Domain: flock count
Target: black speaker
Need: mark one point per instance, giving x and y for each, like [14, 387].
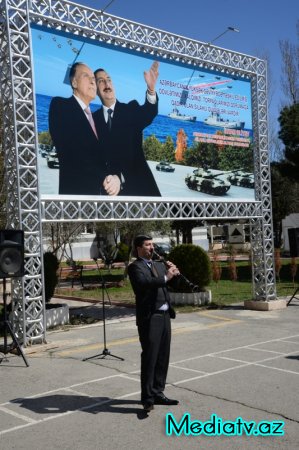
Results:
[11, 253]
[294, 242]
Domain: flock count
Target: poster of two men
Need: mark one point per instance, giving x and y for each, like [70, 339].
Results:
[122, 124]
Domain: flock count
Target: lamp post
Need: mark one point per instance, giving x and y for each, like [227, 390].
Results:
[106, 7]
[228, 29]
[67, 74]
[184, 94]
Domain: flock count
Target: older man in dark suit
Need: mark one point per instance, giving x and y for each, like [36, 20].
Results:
[82, 166]
[153, 312]
[120, 126]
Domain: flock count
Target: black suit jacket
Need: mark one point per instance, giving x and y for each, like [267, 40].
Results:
[122, 146]
[148, 289]
[81, 165]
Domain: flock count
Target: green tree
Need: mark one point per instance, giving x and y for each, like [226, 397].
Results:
[285, 173]
[184, 228]
[231, 158]
[203, 155]
[125, 231]
[290, 69]
[289, 134]
[282, 188]
[60, 237]
[168, 150]
[152, 148]
[289, 115]
[45, 138]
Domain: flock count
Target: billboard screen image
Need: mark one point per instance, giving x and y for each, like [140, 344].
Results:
[197, 144]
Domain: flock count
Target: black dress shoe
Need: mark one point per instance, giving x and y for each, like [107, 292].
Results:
[147, 407]
[162, 400]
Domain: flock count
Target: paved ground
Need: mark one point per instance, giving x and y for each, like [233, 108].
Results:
[232, 363]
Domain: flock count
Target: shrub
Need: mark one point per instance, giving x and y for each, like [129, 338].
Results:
[194, 263]
[51, 266]
[123, 252]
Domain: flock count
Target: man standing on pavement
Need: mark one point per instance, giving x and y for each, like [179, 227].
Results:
[153, 312]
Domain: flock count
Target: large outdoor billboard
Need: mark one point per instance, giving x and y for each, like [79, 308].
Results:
[199, 144]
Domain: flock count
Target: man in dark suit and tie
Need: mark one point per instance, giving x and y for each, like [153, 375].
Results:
[82, 168]
[120, 126]
[153, 312]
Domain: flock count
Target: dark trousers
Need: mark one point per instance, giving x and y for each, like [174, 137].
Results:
[154, 336]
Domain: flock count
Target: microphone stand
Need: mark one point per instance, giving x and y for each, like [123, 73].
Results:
[105, 351]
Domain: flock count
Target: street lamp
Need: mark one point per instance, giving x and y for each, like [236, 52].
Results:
[67, 73]
[228, 29]
[106, 7]
[185, 92]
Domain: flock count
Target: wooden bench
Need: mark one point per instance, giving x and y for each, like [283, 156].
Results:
[76, 273]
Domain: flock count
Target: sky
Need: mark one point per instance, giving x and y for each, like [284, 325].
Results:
[261, 23]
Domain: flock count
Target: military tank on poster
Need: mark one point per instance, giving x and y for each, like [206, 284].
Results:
[204, 180]
[241, 178]
[209, 182]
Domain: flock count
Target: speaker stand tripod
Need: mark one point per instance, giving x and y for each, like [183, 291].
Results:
[294, 296]
[7, 327]
[105, 351]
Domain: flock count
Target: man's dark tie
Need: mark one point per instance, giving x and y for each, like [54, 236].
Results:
[153, 268]
[109, 111]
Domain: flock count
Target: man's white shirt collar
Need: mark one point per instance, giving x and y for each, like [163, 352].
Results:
[81, 103]
[105, 111]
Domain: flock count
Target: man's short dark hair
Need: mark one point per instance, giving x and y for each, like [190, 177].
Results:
[73, 71]
[139, 240]
[98, 70]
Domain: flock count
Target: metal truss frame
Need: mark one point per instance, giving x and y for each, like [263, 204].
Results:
[25, 210]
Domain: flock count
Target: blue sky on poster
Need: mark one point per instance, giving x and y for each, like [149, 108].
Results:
[53, 52]
[262, 24]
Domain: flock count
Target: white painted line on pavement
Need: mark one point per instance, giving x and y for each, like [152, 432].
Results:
[215, 355]
[17, 415]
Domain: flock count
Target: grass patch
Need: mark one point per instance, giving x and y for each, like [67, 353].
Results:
[123, 293]
[225, 292]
